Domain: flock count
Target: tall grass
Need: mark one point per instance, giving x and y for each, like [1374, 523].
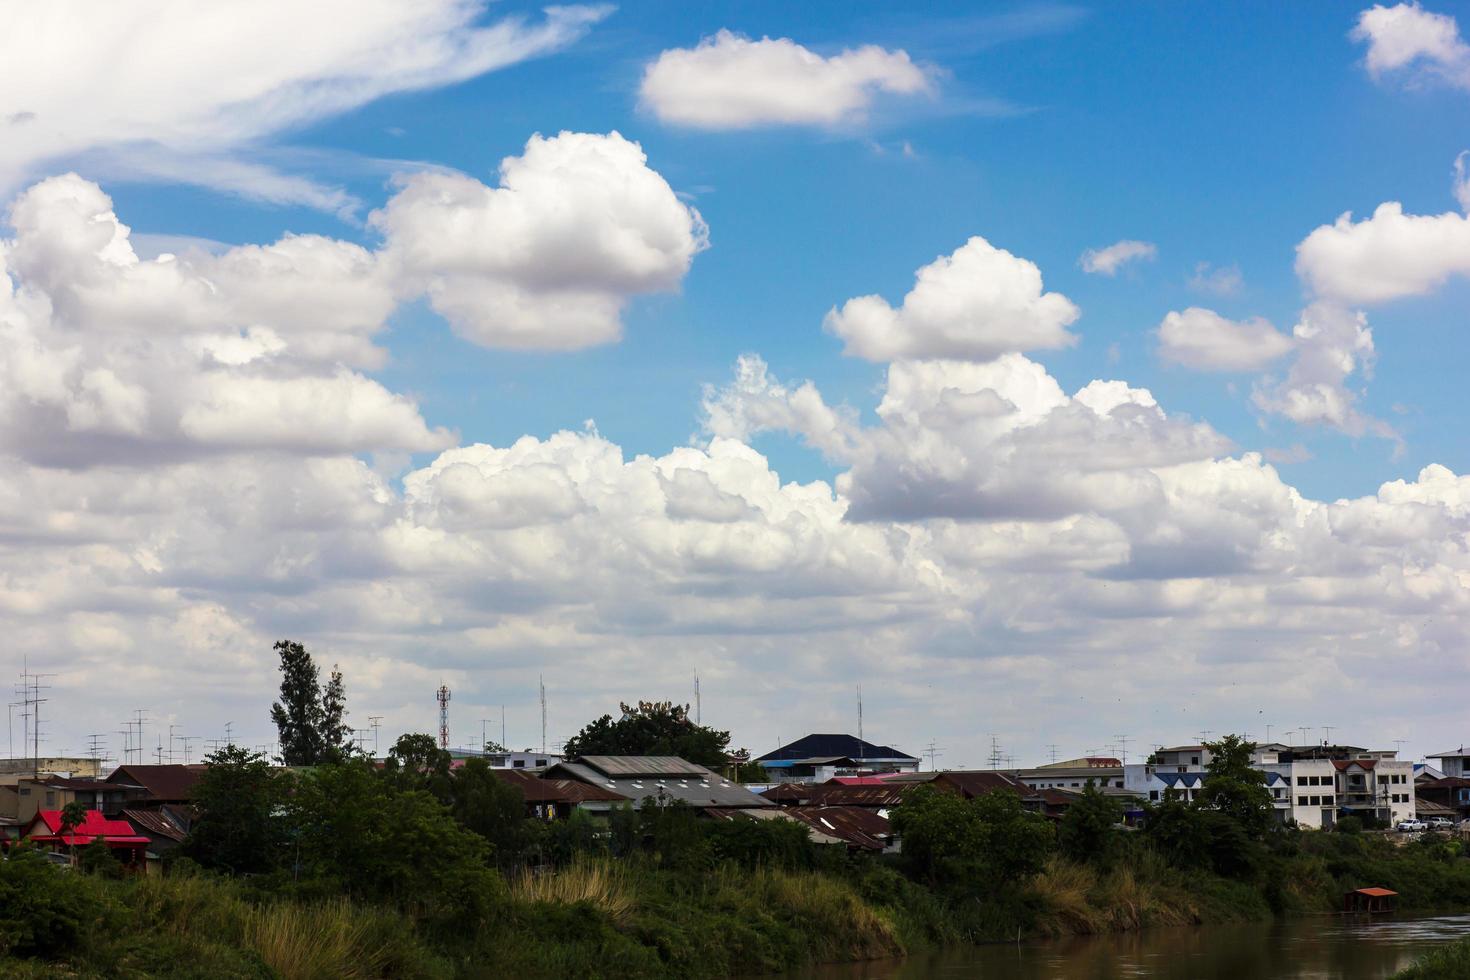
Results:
[601, 883]
[833, 917]
[1449, 962]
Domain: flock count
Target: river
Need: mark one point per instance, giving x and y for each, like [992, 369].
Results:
[1325, 948]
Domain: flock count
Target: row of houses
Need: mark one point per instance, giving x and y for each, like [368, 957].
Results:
[843, 789]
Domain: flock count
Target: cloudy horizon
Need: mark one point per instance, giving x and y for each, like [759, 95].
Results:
[1046, 393]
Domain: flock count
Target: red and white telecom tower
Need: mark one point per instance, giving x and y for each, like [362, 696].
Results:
[443, 716]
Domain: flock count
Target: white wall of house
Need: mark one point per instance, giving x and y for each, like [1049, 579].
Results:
[1314, 793]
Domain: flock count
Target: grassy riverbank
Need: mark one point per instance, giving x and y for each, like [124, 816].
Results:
[632, 917]
[1450, 962]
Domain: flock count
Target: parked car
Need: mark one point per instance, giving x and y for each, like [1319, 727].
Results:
[1441, 823]
[1407, 826]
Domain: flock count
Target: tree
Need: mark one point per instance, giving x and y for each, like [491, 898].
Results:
[336, 733]
[73, 815]
[309, 720]
[239, 797]
[988, 840]
[494, 809]
[1088, 831]
[652, 728]
[416, 762]
[493, 747]
[1236, 789]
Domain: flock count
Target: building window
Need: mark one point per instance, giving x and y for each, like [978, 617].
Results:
[1194, 760]
[1153, 795]
[518, 764]
[1301, 780]
[1301, 801]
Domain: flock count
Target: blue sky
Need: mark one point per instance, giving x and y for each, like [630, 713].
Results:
[984, 541]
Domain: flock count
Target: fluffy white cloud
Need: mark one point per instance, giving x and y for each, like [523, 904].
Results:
[175, 89]
[578, 224]
[112, 358]
[976, 304]
[1408, 39]
[1206, 341]
[1385, 257]
[1461, 184]
[1107, 261]
[1332, 343]
[732, 82]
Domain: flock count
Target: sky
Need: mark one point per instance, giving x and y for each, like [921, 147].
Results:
[1066, 377]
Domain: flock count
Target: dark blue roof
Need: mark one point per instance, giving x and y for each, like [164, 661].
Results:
[1187, 778]
[816, 746]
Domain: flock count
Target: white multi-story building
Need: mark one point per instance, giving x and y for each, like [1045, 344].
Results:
[1311, 785]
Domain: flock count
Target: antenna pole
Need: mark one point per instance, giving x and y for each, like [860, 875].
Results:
[860, 711]
[375, 721]
[541, 682]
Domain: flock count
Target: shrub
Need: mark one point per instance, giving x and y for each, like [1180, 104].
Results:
[42, 907]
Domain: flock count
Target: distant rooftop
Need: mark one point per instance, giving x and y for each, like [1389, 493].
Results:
[828, 745]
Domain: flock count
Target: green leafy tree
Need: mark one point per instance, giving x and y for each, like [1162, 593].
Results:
[298, 714]
[336, 733]
[356, 833]
[1088, 832]
[97, 859]
[1234, 788]
[42, 907]
[991, 838]
[493, 808]
[652, 728]
[493, 747]
[310, 721]
[239, 799]
[417, 762]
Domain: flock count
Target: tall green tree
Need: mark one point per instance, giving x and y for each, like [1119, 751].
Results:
[1236, 789]
[652, 728]
[73, 815]
[309, 721]
[416, 762]
[1089, 829]
[239, 799]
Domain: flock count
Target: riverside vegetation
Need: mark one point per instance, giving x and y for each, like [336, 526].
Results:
[341, 868]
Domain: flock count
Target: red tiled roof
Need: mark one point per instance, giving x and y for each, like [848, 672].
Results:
[95, 825]
[1374, 892]
[1341, 764]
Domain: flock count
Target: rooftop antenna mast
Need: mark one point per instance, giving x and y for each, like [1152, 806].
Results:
[995, 755]
[1328, 730]
[1053, 749]
[503, 743]
[541, 682]
[94, 749]
[698, 704]
[933, 752]
[443, 697]
[1123, 748]
[860, 711]
[375, 721]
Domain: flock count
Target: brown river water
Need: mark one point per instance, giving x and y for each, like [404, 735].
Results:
[1319, 948]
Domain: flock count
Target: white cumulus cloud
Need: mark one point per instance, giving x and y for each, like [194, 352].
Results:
[1206, 341]
[1384, 257]
[732, 82]
[977, 303]
[1107, 261]
[578, 224]
[1419, 44]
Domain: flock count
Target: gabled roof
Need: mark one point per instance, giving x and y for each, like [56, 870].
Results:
[620, 766]
[1341, 764]
[1459, 753]
[155, 824]
[837, 794]
[849, 825]
[46, 826]
[538, 790]
[166, 782]
[979, 782]
[815, 746]
[671, 778]
[1189, 779]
